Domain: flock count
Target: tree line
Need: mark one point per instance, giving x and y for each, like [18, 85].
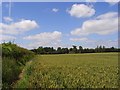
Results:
[73, 49]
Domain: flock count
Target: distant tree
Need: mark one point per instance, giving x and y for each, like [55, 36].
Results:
[118, 50]
[97, 49]
[51, 50]
[112, 49]
[100, 48]
[40, 50]
[71, 50]
[103, 49]
[80, 49]
[59, 50]
[65, 50]
[74, 49]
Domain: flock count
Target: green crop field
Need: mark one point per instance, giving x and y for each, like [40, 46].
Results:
[99, 70]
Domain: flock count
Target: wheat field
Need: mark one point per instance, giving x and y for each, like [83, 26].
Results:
[98, 70]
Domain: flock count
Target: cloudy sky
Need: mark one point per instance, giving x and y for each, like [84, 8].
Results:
[34, 24]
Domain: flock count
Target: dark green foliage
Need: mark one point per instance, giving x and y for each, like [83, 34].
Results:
[14, 51]
[0, 50]
[73, 50]
[80, 49]
[65, 50]
[10, 71]
[59, 50]
[13, 60]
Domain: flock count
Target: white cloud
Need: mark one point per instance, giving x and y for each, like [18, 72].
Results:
[7, 19]
[78, 39]
[107, 43]
[44, 39]
[81, 10]
[55, 10]
[102, 25]
[112, 2]
[90, 43]
[18, 27]
[44, 44]
[45, 36]
[108, 15]
[90, 0]
[7, 38]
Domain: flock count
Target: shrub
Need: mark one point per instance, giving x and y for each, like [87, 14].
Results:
[10, 71]
[13, 60]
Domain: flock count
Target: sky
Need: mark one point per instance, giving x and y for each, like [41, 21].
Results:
[60, 24]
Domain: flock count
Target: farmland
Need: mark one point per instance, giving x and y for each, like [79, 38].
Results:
[98, 70]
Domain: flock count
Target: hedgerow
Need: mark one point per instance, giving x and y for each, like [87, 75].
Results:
[13, 60]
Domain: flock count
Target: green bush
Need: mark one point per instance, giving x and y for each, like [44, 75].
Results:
[10, 71]
[13, 60]
[21, 55]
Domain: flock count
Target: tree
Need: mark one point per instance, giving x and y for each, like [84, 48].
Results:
[51, 50]
[40, 50]
[103, 49]
[97, 49]
[100, 48]
[80, 49]
[71, 50]
[59, 50]
[112, 49]
[74, 49]
[65, 50]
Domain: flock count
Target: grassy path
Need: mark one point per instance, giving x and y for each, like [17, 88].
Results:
[71, 71]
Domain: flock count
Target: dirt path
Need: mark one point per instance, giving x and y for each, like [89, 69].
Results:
[21, 74]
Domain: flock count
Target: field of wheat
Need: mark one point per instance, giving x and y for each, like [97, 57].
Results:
[99, 70]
